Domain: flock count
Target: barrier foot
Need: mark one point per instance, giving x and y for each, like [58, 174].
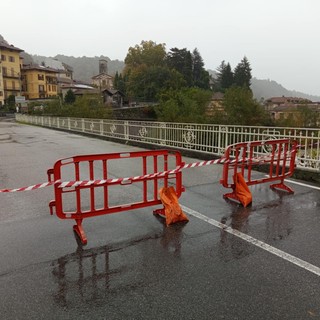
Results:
[282, 186]
[77, 228]
[160, 212]
[231, 196]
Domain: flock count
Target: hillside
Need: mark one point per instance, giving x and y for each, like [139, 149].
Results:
[264, 89]
[86, 67]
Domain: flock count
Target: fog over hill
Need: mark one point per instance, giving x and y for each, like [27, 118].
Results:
[264, 89]
[86, 67]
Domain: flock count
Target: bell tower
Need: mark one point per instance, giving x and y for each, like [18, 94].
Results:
[103, 66]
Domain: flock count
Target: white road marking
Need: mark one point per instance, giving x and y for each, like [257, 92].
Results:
[286, 256]
[300, 183]
[303, 184]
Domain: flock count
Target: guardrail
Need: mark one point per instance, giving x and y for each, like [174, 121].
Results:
[204, 138]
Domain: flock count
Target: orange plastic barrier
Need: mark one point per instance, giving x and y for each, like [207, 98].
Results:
[92, 191]
[276, 156]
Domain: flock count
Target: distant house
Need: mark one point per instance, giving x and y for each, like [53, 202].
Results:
[39, 82]
[103, 80]
[10, 71]
[216, 104]
[78, 89]
[113, 97]
[273, 102]
[282, 108]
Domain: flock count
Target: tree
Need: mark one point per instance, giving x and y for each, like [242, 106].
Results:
[224, 78]
[120, 83]
[70, 97]
[147, 73]
[11, 101]
[242, 73]
[146, 83]
[147, 53]
[184, 105]
[242, 109]
[181, 61]
[201, 77]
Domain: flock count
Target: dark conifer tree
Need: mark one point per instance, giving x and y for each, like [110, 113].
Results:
[242, 73]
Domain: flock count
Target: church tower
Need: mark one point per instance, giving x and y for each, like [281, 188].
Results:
[103, 66]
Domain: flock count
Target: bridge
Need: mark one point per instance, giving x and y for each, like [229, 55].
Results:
[227, 262]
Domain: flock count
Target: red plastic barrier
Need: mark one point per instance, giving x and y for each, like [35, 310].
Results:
[108, 196]
[277, 156]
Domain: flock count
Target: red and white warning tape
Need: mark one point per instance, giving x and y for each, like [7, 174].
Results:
[36, 186]
[85, 183]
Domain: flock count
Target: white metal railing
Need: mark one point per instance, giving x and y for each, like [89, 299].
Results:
[204, 138]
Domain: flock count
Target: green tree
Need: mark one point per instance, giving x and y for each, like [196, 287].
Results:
[70, 97]
[242, 109]
[224, 78]
[242, 73]
[181, 60]
[184, 105]
[147, 53]
[201, 77]
[146, 83]
[147, 73]
[11, 102]
[120, 83]
[308, 117]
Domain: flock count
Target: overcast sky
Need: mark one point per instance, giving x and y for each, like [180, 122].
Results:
[280, 38]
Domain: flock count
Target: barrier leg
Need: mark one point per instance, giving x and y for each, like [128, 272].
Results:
[281, 186]
[231, 196]
[160, 212]
[77, 228]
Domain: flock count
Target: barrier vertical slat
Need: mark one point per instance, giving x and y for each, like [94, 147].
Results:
[273, 151]
[92, 195]
[144, 172]
[250, 162]
[165, 168]
[155, 182]
[105, 188]
[78, 195]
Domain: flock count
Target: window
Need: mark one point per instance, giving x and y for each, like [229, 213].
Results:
[40, 77]
[13, 85]
[41, 88]
[11, 58]
[4, 71]
[3, 57]
[1, 93]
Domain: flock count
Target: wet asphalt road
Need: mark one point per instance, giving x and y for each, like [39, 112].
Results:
[134, 267]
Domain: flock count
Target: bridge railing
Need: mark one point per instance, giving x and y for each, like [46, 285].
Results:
[204, 138]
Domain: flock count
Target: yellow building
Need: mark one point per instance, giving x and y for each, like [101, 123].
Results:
[10, 71]
[39, 82]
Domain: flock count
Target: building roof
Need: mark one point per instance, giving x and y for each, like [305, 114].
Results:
[38, 67]
[101, 76]
[284, 100]
[112, 92]
[5, 45]
[77, 86]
